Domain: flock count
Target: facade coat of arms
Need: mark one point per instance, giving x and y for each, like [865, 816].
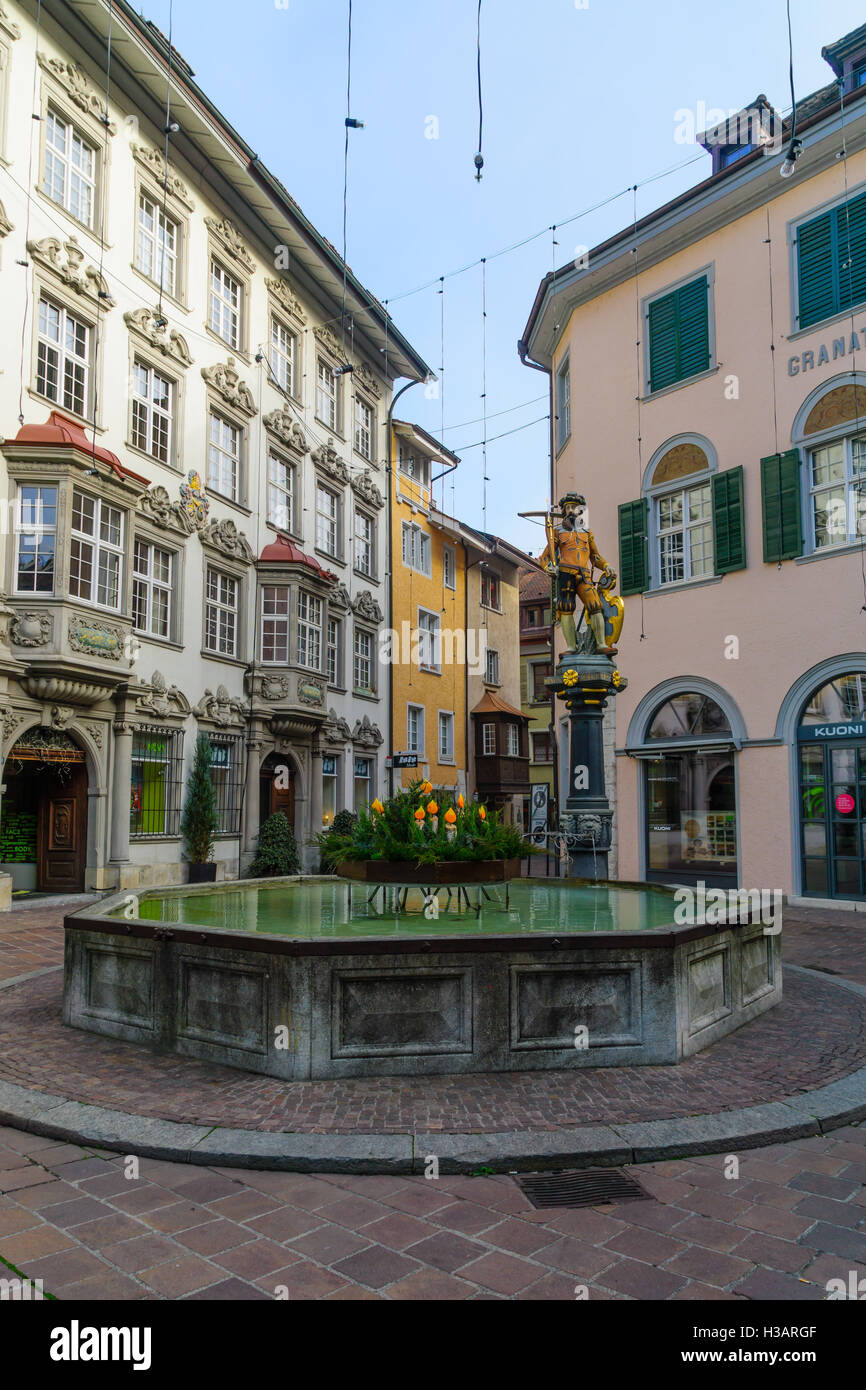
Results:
[193, 500]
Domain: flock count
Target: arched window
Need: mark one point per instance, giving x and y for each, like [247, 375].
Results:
[689, 715]
[680, 490]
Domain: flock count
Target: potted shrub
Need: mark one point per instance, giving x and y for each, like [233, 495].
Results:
[200, 821]
[277, 852]
[341, 825]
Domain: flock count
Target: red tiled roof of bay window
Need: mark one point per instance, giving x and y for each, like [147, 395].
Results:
[60, 432]
[282, 551]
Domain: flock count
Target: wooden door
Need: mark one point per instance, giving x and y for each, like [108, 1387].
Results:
[62, 846]
[276, 798]
[283, 798]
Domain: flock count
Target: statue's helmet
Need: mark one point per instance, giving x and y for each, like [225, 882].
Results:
[571, 500]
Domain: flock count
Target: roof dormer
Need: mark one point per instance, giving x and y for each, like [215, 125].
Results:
[754, 127]
[847, 58]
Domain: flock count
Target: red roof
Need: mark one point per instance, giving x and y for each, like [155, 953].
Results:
[282, 551]
[59, 432]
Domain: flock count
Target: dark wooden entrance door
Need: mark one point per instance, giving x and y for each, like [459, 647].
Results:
[276, 795]
[62, 847]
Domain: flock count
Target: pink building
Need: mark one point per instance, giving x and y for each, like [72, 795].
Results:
[726, 460]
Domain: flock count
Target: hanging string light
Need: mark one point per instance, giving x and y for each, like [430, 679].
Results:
[479, 158]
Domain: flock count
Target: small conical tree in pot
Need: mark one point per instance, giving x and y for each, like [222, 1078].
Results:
[200, 815]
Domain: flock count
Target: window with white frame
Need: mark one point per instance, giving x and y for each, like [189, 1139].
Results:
[225, 305]
[152, 589]
[446, 737]
[70, 168]
[512, 740]
[415, 729]
[224, 456]
[837, 490]
[685, 534]
[152, 411]
[328, 521]
[416, 548]
[491, 591]
[363, 428]
[275, 624]
[157, 244]
[414, 466]
[334, 651]
[37, 539]
[95, 551]
[327, 403]
[309, 631]
[563, 404]
[283, 355]
[282, 484]
[365, 544]
[449, 567]
[363, 783]
[429, 640]
[542, 748]
[63, 357]
[491, 666]
[221, 613]
[488, 739]
[363, 673]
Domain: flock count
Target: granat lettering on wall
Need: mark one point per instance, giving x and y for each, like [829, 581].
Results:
[816, 357]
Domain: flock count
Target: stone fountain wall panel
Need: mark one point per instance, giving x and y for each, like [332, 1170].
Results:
[112, 986]
[396, 1012]
[709, 986]
[758, 967]
[548, 1006]
[725, 982]
[223, 1004]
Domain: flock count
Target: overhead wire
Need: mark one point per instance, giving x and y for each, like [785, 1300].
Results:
[37, 118]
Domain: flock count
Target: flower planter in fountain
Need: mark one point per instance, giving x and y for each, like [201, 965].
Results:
[450, 872]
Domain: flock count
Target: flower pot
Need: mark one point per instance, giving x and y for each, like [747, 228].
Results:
[202, 873]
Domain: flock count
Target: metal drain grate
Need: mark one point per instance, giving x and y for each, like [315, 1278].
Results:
[588, 1187]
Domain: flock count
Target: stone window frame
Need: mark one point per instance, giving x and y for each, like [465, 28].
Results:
[52, 93]
[373, 575]
[146, 183]
[9, 32]
[339, 683]
[215, 405]
[216, 251]
[278, 451]
[450, 714]
[327, 485]
[371, 691]
[46, 287]
[363, 399]
[222, 564]
[124, 550]
[324, 354]
[278, 314]
[171, 369]
[145, 531]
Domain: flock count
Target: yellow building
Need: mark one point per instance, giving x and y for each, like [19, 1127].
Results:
[427, 656]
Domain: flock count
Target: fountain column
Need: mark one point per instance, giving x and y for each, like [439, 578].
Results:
[585, 682]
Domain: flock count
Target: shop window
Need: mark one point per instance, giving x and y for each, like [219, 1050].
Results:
[227, 777]
[157, 782]
[832, 789]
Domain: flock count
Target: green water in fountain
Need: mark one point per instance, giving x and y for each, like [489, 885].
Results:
[341, 910]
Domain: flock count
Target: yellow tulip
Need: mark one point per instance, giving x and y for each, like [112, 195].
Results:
[432, 808]
[450, 817]
[482, 813]
[420, 814]
[426, 788]
[460, 801]
[377, 807]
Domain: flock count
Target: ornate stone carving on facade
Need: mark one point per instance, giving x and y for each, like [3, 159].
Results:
[54, 689]
[335, 729]
[367, 380]
[193, 501]
[224, 379]
[339, 597]
[310, 692]
[227, 233]
[93, 639]
[76, 83]
[363, 485]
[275, 688]
[285, 295]
[156, 504]
[61, 717]
[5, 225]
[366, 608]
[96, 732]
[328, 460]
[11, 719]
[367, 734]
[283, 424]
[30, 630]
[8, 25]
[146, 323]
[329, 341]
[163, 700]
[65, 259]
[220, 708]
[151, 160]
[225, 537]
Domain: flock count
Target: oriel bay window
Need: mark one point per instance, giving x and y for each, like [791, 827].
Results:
[152, 589]
[37, 540]
[227, 777]
[309, 631]
[157, 781]
[63, 354]
[95, 551]
[275, 624]
[152, 411]
[221, 613]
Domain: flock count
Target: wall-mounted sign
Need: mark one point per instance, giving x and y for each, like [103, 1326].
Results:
[404, 759]
[813, 731]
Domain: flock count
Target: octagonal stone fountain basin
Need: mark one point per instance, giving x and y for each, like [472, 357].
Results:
[306, 978]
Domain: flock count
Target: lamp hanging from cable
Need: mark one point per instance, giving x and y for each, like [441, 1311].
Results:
[479, 158]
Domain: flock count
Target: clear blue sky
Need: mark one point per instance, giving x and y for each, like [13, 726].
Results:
[578, 105]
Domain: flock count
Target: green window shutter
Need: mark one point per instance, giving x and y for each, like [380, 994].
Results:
[817, 267]
[729, 532]
[851, 243]
[780, 506]
[679, 342]
[633, 555]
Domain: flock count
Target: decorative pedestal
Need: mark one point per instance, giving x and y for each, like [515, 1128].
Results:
[585, 683]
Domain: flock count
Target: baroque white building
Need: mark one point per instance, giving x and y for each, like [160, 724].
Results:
[194, 464]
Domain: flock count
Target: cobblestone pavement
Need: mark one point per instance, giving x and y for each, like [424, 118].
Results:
[817, 1035]
[794, 1218]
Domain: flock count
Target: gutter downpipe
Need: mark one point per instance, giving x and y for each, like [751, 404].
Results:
[523, 354]
[389, 469]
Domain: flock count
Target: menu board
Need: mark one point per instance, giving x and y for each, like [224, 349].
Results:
[17, 836]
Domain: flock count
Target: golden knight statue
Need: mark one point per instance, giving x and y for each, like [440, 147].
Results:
[571, 557]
